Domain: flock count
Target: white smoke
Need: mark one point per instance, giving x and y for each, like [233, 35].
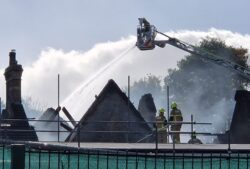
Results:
[40, 79]
[2, 85]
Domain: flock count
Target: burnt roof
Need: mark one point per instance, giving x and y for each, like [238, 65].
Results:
[110, 88]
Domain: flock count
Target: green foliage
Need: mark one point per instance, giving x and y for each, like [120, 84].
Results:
[205, 82]
[150, 84]
[199, 86]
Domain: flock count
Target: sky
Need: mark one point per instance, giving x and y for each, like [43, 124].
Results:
[77, 38]
[31, 26]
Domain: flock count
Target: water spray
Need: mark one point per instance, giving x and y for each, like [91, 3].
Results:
[102, 70]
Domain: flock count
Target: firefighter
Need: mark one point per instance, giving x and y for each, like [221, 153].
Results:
[175, 116]
[194, 139]
[161, 123]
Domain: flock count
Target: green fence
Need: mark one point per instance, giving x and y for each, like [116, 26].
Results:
[100, 159]
[121, 160]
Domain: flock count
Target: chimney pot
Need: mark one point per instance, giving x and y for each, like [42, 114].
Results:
[12, 55]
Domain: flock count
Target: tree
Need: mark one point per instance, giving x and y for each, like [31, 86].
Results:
[200, 87]
[150, 84]
[204, 88]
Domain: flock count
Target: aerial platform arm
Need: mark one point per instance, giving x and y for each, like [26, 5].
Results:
[146, 34]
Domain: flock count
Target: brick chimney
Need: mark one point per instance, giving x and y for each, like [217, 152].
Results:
[13, 74]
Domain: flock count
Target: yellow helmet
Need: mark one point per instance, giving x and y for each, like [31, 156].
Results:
[173, 105]
[161, 111]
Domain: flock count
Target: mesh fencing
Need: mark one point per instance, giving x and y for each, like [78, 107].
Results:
[45, 159]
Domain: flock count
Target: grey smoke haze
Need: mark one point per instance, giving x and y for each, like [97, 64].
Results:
[203, 102]
[40, 78]
[200, 88]
[218, 113]
[51, 129]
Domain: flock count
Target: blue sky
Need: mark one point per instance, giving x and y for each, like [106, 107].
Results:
[31, 26]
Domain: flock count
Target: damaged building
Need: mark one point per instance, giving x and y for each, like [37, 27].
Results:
[147, 109]
[48, 126]
[14, 122]
[239, 132]
[111, 118]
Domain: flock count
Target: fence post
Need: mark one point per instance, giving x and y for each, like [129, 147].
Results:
[17, 156]
[192, 128]
[229, 140]
[78, 136]
[156, 139]
[168, 114]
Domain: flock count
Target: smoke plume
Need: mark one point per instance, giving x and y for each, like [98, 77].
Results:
[39, 79]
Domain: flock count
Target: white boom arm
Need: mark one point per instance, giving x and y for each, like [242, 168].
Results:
[146, 34]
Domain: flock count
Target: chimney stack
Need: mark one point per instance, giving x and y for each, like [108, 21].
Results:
[14, 108]
[13, 75]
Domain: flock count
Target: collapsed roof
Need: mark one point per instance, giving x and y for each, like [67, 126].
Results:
[111, 118]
